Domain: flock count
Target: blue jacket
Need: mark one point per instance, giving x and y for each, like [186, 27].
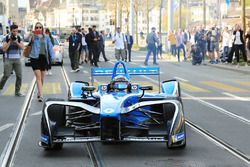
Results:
[36, 48]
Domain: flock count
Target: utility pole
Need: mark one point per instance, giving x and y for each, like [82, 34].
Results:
[147, 18]
[170, 15]
[179, 22]
[160, 10]
[204, 13]
[131, 18]
[243, 15]
[73, 17]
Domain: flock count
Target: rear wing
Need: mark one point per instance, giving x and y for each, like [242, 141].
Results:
[120, 71]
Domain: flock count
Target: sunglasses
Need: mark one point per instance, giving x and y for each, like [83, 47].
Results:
[38, 27]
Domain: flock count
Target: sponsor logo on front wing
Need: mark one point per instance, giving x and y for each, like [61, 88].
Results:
[45, 139]
[178, 137]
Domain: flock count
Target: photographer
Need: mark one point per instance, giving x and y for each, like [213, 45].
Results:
[12, 47]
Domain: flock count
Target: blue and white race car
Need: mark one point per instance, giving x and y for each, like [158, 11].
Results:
[119, 111]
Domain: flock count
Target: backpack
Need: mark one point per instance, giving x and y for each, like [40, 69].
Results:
[8, 38]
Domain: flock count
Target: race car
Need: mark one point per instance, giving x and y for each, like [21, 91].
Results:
[119, 111]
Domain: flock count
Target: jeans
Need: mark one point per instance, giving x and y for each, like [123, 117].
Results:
[173, 49]
[179, 49]
[225, 53]
[9, 66]
[151, 48]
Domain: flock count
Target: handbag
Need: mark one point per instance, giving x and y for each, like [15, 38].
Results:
[27, 49]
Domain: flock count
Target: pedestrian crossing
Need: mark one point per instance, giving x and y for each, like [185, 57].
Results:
[198, 87]
[224, 87]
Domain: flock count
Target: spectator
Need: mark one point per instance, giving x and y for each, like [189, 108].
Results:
[95, 38]
[172, 40]
[84, 50]
[130, 41]
[12, 47]
[48, 68]
[200, 40]
[89, 44]
[79, 34]
[151, 41]
[74, 47]
[102, 46]
[159, 46]
[248, 41]
[180, 45]
[39, 56]
[238, 45]
[225, 44]
[120, 42]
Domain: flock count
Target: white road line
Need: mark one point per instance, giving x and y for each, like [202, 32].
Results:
[6, 126]
[181, 79]
[37, 113]
[234, 96]
[219, 109]
[85, 72]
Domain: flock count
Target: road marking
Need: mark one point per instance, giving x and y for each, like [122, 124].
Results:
[219, 109]
[222, 86]
[52, 88]
[181, 79]
[11, 89]
[245, 83]
[234, 96]
[85, 72]
[37, 113]
[191, 88]
[218, 98]
[6, 126]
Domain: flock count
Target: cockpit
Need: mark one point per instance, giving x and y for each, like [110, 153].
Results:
[119, 83]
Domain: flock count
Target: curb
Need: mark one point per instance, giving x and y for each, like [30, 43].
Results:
[245, 71]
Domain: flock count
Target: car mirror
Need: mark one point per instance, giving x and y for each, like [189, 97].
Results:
[146, 88]
[88, 88]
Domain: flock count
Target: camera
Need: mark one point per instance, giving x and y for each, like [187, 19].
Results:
[13, 38]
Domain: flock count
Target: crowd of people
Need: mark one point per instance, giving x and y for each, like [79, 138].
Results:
[88, 46]
[219, 45]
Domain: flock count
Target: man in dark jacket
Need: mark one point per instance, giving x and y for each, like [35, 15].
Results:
[74, 47]
[95, 38]
[130, 42]
[102, 46]
[88, 41]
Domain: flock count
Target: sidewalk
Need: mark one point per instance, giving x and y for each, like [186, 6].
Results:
[242, 69]
[167, 57]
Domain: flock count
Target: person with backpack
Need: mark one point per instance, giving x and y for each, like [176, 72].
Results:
[120, 42]
[151, 40]
[12, 47]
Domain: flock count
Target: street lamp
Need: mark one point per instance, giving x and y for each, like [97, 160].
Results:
[73, 17]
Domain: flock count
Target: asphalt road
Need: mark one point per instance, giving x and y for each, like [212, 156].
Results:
[212, 97]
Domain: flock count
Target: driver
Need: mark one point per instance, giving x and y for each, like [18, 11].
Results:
[119, 83]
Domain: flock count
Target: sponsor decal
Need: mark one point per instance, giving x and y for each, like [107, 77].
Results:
[45, 139]
[109, 110]
[178, 137]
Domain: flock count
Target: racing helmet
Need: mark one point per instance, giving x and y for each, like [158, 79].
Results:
[120, 82]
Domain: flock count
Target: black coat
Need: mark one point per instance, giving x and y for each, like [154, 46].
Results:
[241, 37]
